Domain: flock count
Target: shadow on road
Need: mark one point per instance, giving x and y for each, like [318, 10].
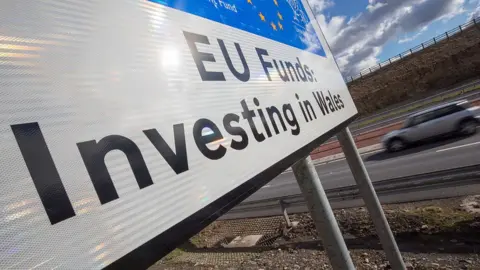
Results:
[413, 149]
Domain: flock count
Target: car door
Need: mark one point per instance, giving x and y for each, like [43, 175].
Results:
[420, 128]
[447, 119]
[438, 125]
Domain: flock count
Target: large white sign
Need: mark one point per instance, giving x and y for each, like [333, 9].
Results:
[126, 126]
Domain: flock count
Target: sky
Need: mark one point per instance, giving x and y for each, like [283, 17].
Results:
[362, 33]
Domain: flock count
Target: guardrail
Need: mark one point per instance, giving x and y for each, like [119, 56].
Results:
[433, 41]
[460, 178]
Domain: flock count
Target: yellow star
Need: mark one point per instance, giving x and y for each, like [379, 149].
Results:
[276, 3]
[273, 26]
[280, 25]
[280, 16]
[261, 16]
[250, 1]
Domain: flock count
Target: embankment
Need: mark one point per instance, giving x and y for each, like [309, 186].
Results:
[440, 66]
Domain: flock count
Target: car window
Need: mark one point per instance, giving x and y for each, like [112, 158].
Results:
[422, 118]
[447, 111]
[465, 105]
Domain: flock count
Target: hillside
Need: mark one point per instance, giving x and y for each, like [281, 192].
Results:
[439, 66]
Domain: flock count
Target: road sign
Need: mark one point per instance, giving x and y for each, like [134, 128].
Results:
[128, 126]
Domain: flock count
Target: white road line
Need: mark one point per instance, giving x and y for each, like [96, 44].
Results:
[266, 186]
[337, 160]
[372, 152]
[376, 151]
[456, 147]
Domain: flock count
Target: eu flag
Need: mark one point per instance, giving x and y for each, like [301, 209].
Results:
[285, 21]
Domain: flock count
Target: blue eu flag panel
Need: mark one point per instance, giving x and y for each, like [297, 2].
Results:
[285, 21]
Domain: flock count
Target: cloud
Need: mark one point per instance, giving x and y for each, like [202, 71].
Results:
[319, 5]
[356, 43]
[412, 38]
[374, 5]
[476, 12]
[332, 27]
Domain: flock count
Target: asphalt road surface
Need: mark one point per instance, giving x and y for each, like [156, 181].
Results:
[440, 155]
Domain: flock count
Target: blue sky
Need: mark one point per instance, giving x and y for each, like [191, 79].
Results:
[362, 33]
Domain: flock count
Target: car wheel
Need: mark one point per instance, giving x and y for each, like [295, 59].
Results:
[468, 127]
[395, 145]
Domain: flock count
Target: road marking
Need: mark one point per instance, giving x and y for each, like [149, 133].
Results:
[266, 186]
[456, 147]
[320, 164]
[372, 152]
[337, 160]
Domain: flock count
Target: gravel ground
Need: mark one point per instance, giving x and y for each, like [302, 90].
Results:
[316, 259]
[440, 234]
[445, 220]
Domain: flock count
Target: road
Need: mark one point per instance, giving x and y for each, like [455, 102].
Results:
[441, 155]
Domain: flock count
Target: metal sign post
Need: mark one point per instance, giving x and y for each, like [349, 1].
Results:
[322, 214]
[370, 198]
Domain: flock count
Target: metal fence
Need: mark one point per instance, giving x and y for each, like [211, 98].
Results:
[435, 40]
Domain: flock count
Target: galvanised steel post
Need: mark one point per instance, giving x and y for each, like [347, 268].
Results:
[370, 198]
[322, 214]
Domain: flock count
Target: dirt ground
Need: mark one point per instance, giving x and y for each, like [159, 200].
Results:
[440, 234]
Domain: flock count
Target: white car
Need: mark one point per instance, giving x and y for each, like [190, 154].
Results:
[451, 118]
